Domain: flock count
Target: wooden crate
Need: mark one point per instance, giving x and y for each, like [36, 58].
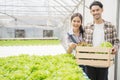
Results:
[89, 56]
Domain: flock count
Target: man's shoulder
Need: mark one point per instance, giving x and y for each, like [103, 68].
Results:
[107, 23]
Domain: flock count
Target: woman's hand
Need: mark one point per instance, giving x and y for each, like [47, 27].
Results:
[71, 47]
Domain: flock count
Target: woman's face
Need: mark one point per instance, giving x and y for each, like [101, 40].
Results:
[76, 22]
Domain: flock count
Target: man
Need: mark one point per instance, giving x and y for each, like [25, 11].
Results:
[97, 32]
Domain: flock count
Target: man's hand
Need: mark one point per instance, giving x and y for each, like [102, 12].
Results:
[114, 50]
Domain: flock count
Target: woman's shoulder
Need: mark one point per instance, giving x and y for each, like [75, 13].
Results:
[70, 32]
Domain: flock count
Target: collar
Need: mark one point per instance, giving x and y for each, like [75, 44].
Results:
[105, 23]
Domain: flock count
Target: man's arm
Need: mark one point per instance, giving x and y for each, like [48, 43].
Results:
[115, 41]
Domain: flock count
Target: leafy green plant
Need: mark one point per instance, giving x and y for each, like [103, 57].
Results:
[25, 67]
[106, 44]
[28, 42]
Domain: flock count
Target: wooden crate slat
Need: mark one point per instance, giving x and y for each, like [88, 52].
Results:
[92, 49]
[93, 56]
[95, 63]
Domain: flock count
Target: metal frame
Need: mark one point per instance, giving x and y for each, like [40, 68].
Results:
[116, 77]
[59, 8]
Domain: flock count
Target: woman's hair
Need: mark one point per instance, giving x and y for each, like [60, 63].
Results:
[80, 16]
[96, 3]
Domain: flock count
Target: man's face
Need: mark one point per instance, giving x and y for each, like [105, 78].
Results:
[96, 11]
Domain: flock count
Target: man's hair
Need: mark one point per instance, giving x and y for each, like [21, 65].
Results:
[96, 3]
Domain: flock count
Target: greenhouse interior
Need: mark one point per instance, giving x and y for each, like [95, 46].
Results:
[30, 29]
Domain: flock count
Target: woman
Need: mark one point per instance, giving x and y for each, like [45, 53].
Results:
[75, 35]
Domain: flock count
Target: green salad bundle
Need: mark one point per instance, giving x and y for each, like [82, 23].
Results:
[106, 44]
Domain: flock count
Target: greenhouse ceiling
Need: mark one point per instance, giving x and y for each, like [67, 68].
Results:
[39, 7]
[49, 10]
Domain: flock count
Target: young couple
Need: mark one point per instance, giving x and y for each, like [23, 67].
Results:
[94, 33]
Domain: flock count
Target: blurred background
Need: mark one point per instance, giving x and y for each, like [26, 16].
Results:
[50, 19]
[46, 18]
